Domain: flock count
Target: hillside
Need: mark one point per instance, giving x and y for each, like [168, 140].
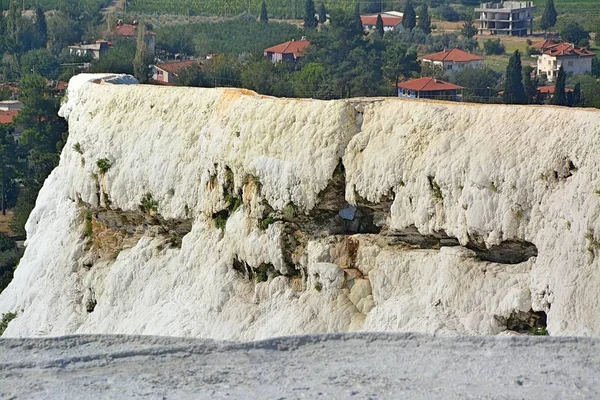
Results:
[218, 213]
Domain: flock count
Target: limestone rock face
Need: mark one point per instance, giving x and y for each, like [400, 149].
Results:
[221, 213]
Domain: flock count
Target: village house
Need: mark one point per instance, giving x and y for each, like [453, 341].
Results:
[453, 61]
[95, 51]
[509, 18]
[288, 51]
[429, 88]
[573, 60]
[168, 73]
[9, 109]
[130, 31]
[545, 93]
[391, 22]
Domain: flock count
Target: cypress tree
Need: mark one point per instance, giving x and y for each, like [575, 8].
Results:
[357, 21]
[310, 21]
[425, 19]
[577, 95]
[142, 58]
[409, 20]
[514, 93]
[549, 16]
[379, 26]
[41, 27]
[13, 21]
[264, 18]
[322, 14]
[560, 98]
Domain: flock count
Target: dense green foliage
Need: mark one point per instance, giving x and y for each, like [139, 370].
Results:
[9, 258]
[514, 92]
[424, 19]
[493, 46]
[560, 98]
[573, 32]
[227, 37]
[310, 19]
[548, 19]
[409, 20]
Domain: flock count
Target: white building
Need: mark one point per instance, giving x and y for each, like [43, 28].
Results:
[510, 18]
[95, 51]
[392, 21]
[453, 61]
[573, 59]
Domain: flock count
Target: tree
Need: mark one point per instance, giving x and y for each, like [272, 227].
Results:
[493, 46]
[549, 16]
[574, 33]
[560, 98]
[8, 172]
[40, 61]
[309, 81]
[397, 62]
[409, 20]
[264, 18]
[143, 58]
[41, 28]
[530, 85]
[322, 14]
[577, 94]
[357, 20]
[480, 83]
[13, 21]
[468, 29]
[425, 19]
[192, 76]
[310, 20]
[379, 26]
[595, 67]
[514, 93]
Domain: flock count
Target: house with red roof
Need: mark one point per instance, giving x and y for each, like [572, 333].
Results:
[573, 59]
[130, 31]
[9, 110]
[288, 51]
[546, 93]
[545, 44]
[168, 73]
[453, 61]
[390, 22]
[428, 88]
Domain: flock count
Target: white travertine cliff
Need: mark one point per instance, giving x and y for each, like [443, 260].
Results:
[220, 213]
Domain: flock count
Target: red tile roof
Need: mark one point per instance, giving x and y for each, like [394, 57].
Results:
[545, 44]
[7, 117]
[454, 55]
[128, 30]
[175, 67]
[295, 47]
[550, 89]
[568, 50]
[387, 20]
[428, 84]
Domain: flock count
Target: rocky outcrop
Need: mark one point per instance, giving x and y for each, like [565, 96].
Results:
[220, 213]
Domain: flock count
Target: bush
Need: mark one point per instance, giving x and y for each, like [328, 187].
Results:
[220, 219]
[104, 165]
[6, 318]
[89, 228]
[264, 224]
[148, 204]
[493, 47]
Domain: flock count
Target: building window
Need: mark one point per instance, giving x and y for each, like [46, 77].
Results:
[449, 67]
[570, 63]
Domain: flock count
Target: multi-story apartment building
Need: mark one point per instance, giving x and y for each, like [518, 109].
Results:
[510, 18]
